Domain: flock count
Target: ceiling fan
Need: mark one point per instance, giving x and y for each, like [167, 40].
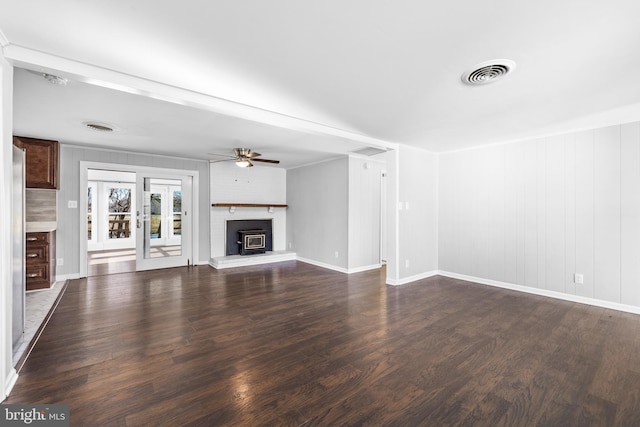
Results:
[244, 158]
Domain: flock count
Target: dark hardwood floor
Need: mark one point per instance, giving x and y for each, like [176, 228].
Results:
[294, 344]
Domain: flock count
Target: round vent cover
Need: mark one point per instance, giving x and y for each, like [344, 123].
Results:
[488, 71]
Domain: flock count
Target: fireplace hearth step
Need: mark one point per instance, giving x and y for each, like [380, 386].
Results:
[268, 257]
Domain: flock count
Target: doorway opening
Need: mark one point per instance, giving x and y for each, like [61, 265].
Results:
[111, 242]
[136, 219]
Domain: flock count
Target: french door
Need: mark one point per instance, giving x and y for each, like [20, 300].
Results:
[163, 220]
[109, 215]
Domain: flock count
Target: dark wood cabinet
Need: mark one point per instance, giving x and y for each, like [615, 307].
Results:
[41, 168]
[40, 260]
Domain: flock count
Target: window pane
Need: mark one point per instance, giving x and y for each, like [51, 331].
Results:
[119, 200]
[177, 224]
[156, 216]
[119, 226]
[177, 201]
[119, 209]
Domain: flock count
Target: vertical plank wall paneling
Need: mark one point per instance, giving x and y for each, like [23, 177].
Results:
[630, 213]
[533, 213]
[569, 213]
[555, 187]
[584, 220]
[530, 231]
[496, 221]
[480, 231]
[606, 193]
[466, 226]
[541, 216]
[512, 186]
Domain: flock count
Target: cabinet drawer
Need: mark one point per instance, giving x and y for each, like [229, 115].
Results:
[37, 238]
[38, 273]
[37, 254]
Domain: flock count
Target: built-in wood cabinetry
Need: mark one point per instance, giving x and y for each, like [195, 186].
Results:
[41, 260]
[41, 169]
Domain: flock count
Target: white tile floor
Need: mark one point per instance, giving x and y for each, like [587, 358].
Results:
[37, 306]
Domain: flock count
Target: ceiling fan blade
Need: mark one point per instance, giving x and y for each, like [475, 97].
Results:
[266, 161]
[253, 154]
[223, 160]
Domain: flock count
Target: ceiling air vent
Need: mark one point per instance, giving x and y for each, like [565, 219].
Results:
[488, 72]
[369, 151]
[100, 127]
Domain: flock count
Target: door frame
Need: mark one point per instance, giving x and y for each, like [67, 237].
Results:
[82, 200]
[143, 222]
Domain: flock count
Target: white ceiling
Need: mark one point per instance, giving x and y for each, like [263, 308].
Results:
[302, 81]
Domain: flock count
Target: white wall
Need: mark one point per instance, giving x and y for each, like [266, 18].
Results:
[259, 184]
[317, 222]
[390, 225]
[7, 372]
[534, 213]
[364, 213]
[417, 214]
[67, 245]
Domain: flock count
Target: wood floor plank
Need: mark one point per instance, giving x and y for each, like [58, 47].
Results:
[294, 344]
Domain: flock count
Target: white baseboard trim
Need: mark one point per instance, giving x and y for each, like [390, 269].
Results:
[323, 265]
[63, 277]
[339, 269]
[9, 383]
[363, 268]
[545, 292]
[413, 278]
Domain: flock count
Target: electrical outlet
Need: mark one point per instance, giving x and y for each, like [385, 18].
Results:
[578, 279]
[72, 204]
[406, 263]
[289, 245]
[336, 254]
[60, 261]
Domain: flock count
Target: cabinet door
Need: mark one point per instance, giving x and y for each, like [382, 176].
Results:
[41, 168]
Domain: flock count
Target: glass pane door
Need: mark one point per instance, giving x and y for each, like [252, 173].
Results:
[110, 223]
[163, 241]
